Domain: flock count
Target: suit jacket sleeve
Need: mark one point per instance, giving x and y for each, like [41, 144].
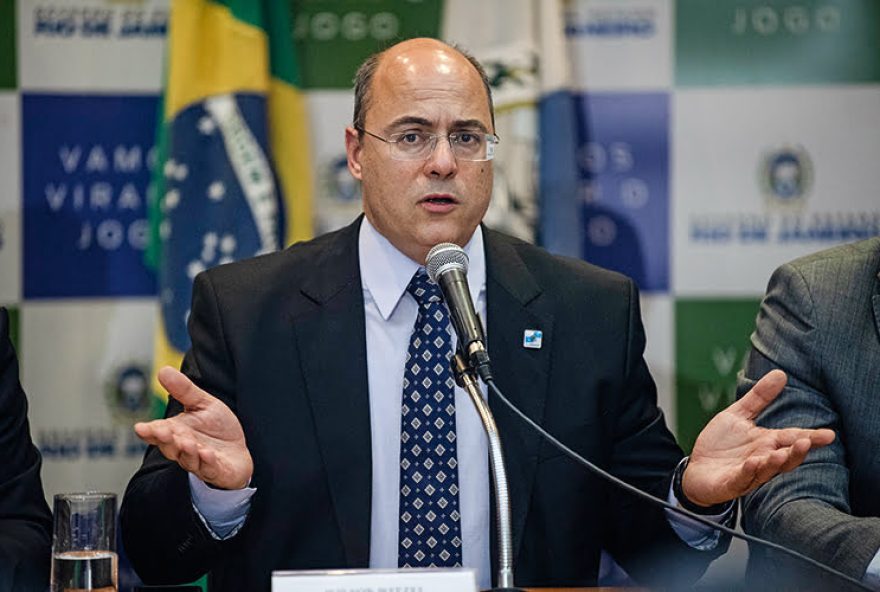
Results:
[809, 508]
[644, 454]
[164, 537]
[25, 520]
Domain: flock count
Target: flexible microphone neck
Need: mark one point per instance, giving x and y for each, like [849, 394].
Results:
[467, 379]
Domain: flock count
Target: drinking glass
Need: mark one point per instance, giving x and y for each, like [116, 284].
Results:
[84, 543]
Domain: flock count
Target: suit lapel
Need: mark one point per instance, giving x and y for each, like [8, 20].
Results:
[513, 304]
[332, 345]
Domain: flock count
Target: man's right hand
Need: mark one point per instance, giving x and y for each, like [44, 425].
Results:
[205, 439]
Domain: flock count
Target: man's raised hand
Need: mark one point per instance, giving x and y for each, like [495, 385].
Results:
[205, 439]
[732, 456]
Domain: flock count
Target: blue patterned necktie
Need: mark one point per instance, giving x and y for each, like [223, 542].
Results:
[430, 522]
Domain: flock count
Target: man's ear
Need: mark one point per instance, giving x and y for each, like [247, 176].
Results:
[353, 152]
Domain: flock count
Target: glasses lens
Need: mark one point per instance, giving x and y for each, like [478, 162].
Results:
[468, 146]
[411, 145]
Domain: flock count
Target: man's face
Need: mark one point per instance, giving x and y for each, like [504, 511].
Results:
[422, 85]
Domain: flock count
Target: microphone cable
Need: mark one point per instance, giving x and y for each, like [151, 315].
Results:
[657, 501]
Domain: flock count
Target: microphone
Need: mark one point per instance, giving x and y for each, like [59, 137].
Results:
[447, 266]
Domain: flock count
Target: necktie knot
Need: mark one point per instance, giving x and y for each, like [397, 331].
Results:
[423, 289]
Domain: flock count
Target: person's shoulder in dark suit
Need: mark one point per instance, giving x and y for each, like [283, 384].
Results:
[25, 519]
[550, 269]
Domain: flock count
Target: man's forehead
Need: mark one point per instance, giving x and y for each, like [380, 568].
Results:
[413, 51]
[426, 75]
[421, 64]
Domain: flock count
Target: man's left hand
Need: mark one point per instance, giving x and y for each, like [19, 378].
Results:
[732, 456]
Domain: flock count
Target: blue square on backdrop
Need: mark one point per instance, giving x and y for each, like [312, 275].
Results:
[623, 172]
[86, 164]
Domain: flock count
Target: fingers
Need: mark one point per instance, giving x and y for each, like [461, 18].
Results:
[791, 448]
[757, 470]
[188, 455]
[153, 432]
[822, 437]
[161, 434]
[796, 455]
[211, 470]
[817, 438]
[761, 395]
[181, 446]
[181, 387]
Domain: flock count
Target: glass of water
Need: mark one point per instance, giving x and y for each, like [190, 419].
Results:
[84, 543]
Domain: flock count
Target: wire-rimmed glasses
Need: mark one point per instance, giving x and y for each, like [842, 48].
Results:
[419, 145]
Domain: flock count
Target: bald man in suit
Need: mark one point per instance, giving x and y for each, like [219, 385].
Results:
[291, 392]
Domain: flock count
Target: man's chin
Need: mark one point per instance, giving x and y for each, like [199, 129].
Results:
[430, 243]
[447, 234]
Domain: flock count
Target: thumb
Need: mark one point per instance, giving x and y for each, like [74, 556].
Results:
[762, 394]
[181, 387]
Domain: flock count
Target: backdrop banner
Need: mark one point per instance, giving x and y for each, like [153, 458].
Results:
[691, 145]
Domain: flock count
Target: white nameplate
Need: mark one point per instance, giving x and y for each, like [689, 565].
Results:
[375, 580]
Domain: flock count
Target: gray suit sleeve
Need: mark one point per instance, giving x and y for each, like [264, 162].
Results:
[809, 508]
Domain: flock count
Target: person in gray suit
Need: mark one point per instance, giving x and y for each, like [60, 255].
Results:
[820, 323]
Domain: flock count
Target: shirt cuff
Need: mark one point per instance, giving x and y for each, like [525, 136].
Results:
[872, 574]
[697, 535]
[223, 512]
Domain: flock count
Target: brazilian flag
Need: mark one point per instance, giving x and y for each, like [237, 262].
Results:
[233, 177]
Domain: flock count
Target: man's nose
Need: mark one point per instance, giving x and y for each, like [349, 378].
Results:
[441, 162]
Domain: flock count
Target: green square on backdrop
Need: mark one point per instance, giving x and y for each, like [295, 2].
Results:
[8, 53]
[13, 329]
[776, 42]
[711, 342]
[333, 37]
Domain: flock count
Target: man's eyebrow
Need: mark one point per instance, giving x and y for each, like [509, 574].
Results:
[409, 120]
[470, 124]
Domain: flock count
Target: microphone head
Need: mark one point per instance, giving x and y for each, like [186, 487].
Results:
[443, 257]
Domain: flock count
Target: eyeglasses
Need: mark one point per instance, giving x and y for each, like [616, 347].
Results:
[416, 145]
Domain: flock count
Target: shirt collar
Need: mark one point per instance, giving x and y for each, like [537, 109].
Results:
[386, 272]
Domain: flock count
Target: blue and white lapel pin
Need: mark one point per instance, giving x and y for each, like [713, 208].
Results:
[532, 338]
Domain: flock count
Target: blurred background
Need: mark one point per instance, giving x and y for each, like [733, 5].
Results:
[692, 145]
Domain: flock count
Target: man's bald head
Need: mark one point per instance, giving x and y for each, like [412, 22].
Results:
[364, 78]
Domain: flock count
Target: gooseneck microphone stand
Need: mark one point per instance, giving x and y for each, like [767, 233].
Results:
[466, 378]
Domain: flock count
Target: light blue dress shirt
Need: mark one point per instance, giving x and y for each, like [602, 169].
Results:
[390, 316]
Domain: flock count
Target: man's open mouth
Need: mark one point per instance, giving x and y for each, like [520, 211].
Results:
[440, 199]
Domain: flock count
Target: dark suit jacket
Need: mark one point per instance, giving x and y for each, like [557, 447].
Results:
[820, 323]
[281, 339]
[25, 520]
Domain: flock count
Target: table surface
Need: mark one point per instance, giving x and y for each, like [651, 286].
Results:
[602, 589]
